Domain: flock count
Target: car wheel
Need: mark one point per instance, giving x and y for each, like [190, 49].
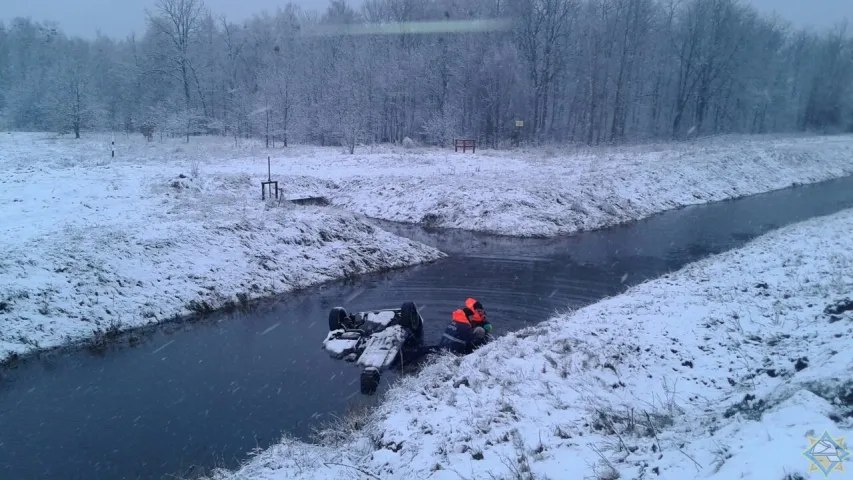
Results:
[410, 318]
[369, 381]
[338, 319]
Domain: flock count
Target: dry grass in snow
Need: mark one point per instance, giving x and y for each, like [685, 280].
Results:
[721, 370]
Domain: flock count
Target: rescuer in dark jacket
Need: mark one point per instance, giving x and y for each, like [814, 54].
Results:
[467, 330]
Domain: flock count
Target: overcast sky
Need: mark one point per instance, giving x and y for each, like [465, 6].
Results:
[117, 18]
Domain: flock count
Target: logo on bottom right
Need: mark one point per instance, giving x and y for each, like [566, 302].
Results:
[826, 454]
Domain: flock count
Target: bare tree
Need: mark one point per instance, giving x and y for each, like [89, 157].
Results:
[572, 70]
[70, 97]
[542, 26]
[177, 21]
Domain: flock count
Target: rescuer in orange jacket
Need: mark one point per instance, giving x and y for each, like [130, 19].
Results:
[467, 330]
[479, 312]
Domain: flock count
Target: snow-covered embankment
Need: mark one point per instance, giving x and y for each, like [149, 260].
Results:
[545, 192]
[92, 244]
[721, 370]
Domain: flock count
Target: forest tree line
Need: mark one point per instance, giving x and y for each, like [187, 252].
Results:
[590, 71]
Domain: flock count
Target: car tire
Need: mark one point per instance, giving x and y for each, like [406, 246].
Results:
[338, 319]
[410, 318]
[370, 378]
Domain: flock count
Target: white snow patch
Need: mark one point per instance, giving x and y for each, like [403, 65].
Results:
[93, 243]
[382, 317]
[721, 370]
[339, 346]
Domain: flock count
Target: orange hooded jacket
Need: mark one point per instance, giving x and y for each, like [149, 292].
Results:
[473, 305]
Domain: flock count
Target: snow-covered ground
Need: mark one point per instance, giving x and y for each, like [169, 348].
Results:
[724, 369]
[545, 192]
[91, 242]
[528, 192]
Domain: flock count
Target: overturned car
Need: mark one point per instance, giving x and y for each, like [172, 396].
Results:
[374, 340]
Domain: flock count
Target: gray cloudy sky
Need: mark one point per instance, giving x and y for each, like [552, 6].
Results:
[117, 18]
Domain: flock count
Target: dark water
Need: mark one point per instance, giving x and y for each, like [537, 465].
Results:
[206, 394]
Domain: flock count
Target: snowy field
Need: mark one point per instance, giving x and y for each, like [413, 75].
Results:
[548, 191]
[92, 243]
[544, 191]
[722, 370]
[95, 243]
